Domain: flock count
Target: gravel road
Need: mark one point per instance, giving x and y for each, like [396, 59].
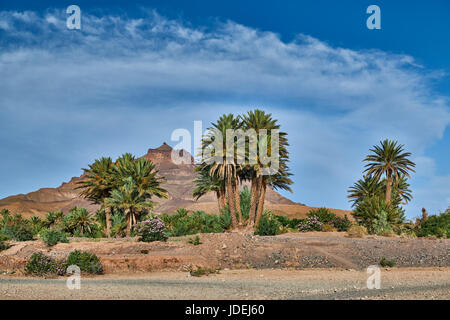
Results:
[404, 283]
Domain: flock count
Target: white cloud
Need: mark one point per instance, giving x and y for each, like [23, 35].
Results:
[125, 83]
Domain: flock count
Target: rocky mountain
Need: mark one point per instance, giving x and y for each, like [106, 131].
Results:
[179, 184]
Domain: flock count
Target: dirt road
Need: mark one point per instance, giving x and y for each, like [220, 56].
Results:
[405, 283]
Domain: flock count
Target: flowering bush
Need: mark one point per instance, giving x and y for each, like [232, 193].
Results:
[150, 230]
[39, 265]
[311, 223]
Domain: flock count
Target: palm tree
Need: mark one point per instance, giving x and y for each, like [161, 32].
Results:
[369, 186]
[97, 184]
[35, 221]
[143, 173]
[400, 191]
[128, 198]
[79, 220]
[388, 159]
[258, 120]
[225, 170]
[119, 225]
[206, 183]
[53, 217]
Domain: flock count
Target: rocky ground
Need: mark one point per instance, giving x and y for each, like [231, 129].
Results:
[396, 283]
[242, 251]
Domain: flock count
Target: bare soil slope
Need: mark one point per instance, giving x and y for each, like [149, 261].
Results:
[242, 251]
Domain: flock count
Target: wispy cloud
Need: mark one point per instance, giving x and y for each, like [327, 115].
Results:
[124, 84]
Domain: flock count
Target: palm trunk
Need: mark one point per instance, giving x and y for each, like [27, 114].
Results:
[254, 195]
[221, 200]
[237, 200]
[388, 187]
[231, 202]
[128, 218]
[108, 221]
[262, 195]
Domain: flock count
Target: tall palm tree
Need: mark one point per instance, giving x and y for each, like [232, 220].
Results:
[128, 198]
[391, 160]
[99, 180]
[220, 167]
[258, 120]
[206, 183]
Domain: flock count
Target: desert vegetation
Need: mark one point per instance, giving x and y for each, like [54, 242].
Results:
[126, 185]
[124, 190]
[224, 177]
[41, 265]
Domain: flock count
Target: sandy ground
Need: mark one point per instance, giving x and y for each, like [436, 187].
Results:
[396, 283]
[241, 251]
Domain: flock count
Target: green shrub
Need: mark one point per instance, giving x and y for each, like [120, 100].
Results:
[225, 218]
[51, 237]
[40, 264]
[198, 272]
[380, 224]
[245, 200]
[181, 223]
[283, 220]
[294, 223]
[268, 225]
[87, 262]
[195, 241]
[435, 225]
[3, 245]
[16, 228]
[118, 225]
[377, 215]
[152, 229]
[341, 224]
[387, 263]
[323, 215]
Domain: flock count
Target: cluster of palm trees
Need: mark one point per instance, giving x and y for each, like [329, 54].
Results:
[385, 183]
[225, 177]
[125, 185]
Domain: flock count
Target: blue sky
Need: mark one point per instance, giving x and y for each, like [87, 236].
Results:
[134, 73]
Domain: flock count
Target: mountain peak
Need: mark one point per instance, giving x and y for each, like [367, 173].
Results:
[163, 147]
